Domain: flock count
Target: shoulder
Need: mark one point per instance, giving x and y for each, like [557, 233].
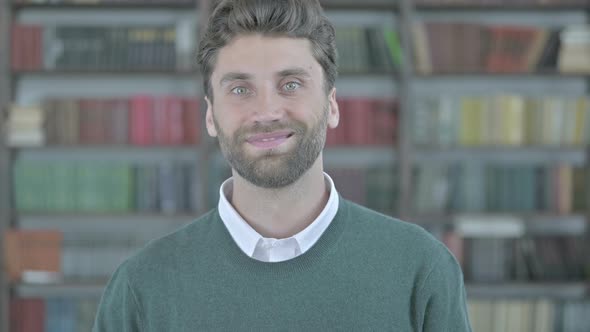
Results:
[387, 234]
[172, 249]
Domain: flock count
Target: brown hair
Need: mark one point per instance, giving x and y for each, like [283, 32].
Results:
[289, 18]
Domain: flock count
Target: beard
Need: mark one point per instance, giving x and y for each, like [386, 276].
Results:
[272, 170]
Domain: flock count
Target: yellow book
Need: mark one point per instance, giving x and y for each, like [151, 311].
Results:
[493, 119]
[467, 127]
[568, 118]
[500, 316]
[533, 123]
[514, 318]
[564, 190]
[512, 132]
[544, 316]
[581, 108]
[526, 322]
[485, 120]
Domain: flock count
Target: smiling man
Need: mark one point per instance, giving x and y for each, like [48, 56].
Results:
[282, 250]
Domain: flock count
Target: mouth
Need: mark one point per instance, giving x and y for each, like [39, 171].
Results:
[269, 140]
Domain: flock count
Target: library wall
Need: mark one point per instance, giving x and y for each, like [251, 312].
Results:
[105, 149]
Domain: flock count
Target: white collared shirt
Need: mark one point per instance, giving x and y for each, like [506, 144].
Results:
[269, 249]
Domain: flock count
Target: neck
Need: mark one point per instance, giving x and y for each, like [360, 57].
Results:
[283, 212]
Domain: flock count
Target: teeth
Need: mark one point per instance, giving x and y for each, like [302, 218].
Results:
[268, 139]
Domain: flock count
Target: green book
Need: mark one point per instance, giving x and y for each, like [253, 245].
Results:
[64, 186]
[38, 187]
[120, 188]
[89, 187]
[394, 46]
[21, 181]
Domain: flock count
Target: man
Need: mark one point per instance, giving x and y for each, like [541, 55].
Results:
[282, 251]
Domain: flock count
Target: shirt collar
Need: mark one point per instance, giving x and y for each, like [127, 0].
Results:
[247, 238]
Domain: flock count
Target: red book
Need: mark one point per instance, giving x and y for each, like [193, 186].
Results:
[142, 120]
[15, 314]
[32, 46]
[358, 114]
[118, 121]
[92, 122]
[372, 123]
[160, 134]
[385, 122]
[37, 51]
[16, 47]
[174, 120]
[440, 36]
[379, 116]
[509, 48]
[26, 47]
[191, 119]
[106, 109]
[33, 315]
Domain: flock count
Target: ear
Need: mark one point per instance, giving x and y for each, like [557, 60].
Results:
[334, 112]
[209, 119]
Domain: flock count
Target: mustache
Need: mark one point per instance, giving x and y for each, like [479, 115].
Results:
[259, 128]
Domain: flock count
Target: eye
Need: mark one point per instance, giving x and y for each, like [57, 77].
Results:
[291, 86]
[239, 90]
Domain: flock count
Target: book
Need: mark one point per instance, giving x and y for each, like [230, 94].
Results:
[575, 47]
[32, 250]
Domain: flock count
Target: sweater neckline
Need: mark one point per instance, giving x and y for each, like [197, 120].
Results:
[234, 256]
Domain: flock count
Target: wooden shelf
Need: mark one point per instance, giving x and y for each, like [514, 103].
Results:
[500, 7]
[109, 223]
[108, 153]
[181, 5]
[565, 291]
[327, 4]
[132, 5]
[503, 154]
[359, 5]
[510, 225]
[528, 75]
[73, 289]
[107, 72]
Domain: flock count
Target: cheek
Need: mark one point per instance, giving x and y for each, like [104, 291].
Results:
[228, 126]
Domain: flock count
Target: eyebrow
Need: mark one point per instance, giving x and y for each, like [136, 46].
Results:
[237, 76]
[234, 76]
[296, 71]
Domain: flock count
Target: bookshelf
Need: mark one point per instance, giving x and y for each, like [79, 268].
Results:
[485, 233]
[397, 160]
[5, 161]
[31, 85]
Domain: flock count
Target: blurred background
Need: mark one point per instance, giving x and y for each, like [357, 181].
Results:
[470, 118]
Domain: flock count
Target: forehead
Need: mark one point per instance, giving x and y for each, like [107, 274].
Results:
[261, 55]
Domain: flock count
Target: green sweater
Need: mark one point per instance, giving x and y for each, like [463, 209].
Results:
[367, 272]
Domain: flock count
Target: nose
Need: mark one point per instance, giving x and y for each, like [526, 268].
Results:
[269, 107]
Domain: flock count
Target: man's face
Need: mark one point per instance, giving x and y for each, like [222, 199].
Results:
[270, 110]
